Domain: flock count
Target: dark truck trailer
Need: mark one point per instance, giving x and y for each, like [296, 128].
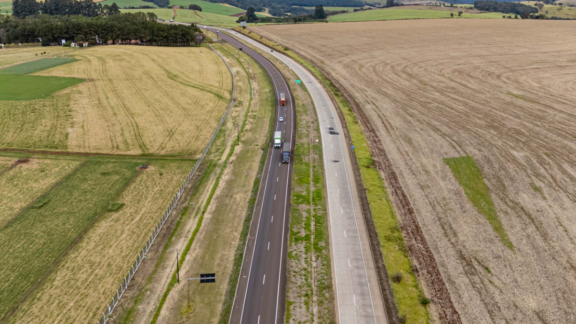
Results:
[286, 152]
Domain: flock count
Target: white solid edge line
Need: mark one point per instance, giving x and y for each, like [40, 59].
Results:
[325, 168]
[258, 228]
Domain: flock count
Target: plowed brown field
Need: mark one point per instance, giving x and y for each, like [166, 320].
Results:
[502, 92]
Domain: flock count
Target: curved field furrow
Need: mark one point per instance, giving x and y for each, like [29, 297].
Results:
[137, 100]
[501, 92]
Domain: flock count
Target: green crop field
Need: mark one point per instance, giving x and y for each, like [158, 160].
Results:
[470, 178]
[38, 236]
[555, 11]
[207, 7]
[335, 8]
[35, 66]
[31, 87]
[6, 7]
[188, 16]
[396, 14]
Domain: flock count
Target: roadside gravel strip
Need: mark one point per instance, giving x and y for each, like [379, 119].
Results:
[357, 293]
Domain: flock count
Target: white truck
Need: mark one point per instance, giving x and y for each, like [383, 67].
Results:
[277, 139]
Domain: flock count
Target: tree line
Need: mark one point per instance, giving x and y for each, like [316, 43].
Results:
[506, 7]
[86, 8]
[120, 28]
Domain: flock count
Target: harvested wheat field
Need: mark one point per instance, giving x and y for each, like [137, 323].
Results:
[135, 100]
[476, 119]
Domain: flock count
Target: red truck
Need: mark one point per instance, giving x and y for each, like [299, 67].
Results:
[282, 99]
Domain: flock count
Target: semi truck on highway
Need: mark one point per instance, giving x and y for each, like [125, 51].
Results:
[282, 99]
[286, 153]
[277, 139]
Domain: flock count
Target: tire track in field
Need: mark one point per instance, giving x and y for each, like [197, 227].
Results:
[187, 113]
[131, 119]
[216, 103]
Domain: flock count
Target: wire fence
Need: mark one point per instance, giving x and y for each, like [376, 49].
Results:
[107, 314]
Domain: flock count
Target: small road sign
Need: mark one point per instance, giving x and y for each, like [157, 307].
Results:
[298, 81]
[207, 277]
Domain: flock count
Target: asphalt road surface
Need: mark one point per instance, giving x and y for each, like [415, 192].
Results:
[261, 292]
[357, 293]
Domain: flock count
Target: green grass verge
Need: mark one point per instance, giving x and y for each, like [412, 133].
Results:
[407, 293]
[36, 66]
[31, 87]
[34, 241]
[397, 14]
[470, 178]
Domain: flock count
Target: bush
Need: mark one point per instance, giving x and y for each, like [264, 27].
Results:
[402, 319]
[195, 7]
[424, 301]
[115, 206]
[67, 44]
[91, 42]
[397, 277]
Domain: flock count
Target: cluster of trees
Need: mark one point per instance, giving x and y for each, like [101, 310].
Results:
[506, 7]
[86, 8]
[121, 28]
[195, 7]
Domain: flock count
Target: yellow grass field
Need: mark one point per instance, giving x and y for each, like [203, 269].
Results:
[15, 55]
[135, 100]
[22, 184]
[88, 277]
[475, 119]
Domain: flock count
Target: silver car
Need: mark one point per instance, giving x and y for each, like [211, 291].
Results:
[281, 119]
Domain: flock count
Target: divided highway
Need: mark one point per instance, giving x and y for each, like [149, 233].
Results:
[356, 285]
[261, 292]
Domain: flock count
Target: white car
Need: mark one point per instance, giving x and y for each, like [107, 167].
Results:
[171, 20]
[281, 119]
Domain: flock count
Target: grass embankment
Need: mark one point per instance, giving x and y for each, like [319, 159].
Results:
[310, 294]
[75, 293]
[34, 241]
[22, 184]
[470, 178]
[398, 14]
[407, 292]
